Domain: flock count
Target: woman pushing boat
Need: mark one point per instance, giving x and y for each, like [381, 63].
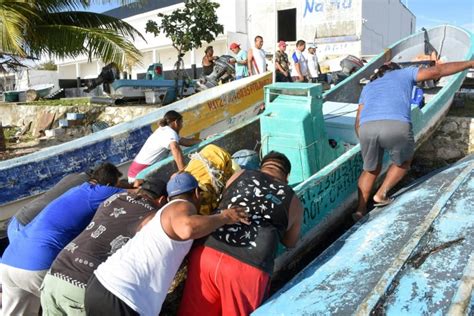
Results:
[157, 147]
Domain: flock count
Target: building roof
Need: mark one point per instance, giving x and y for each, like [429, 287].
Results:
[129, 10]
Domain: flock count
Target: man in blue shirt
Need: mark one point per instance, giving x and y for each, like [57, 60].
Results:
[383, 122]
[29, 256]
[241, 68]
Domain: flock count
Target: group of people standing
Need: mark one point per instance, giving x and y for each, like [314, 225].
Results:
[303, 67]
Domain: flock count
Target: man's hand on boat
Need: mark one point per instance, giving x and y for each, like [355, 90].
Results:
[442, 70]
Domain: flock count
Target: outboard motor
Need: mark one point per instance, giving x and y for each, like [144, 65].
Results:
[223, 71]
[108, 75]
[351, 64]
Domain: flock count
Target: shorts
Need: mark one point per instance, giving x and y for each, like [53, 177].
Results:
[394, 136]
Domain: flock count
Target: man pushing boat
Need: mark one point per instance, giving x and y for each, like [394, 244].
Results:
[383, 122]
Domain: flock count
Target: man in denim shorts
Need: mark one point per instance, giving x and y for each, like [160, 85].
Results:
[383, 122]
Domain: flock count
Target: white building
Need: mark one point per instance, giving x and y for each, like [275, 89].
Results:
[339, 27]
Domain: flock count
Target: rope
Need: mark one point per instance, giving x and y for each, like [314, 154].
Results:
[216, 175]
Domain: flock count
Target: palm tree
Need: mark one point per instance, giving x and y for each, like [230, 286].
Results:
[56, 28]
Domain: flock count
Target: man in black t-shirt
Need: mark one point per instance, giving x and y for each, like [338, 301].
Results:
[116, 221]
[230, 274]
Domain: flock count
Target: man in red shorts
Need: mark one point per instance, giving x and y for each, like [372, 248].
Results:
[230, 273]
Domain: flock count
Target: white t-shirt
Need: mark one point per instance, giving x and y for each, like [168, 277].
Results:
[157, 146]
[298, 57]
[312, 65]
[140, 273]
[259, 60]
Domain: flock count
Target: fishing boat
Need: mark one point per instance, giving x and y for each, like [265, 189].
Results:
[205, 113]
[413, 257]
[41, 90]
[316, 132]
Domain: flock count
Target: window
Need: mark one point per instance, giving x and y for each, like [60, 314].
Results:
[287, 25]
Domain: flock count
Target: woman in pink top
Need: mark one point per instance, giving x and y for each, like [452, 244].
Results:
[160, 143]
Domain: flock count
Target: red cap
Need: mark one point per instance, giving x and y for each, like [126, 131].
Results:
[234, 46]
[281, 43]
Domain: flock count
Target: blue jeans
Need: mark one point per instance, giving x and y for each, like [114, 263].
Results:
[14, 227]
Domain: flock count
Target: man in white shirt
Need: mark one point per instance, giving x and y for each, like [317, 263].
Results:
[313, 65]
[299, 72]
[136, 278]
[257, 63]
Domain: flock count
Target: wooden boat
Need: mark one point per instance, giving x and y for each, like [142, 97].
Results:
[326, 180]
[204, 113]
[413, 257]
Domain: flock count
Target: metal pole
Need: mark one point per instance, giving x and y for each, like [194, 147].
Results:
[275, 39]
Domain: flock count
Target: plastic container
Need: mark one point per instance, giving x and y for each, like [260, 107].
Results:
[155, 97]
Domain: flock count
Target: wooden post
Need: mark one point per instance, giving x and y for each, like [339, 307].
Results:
[3, 146]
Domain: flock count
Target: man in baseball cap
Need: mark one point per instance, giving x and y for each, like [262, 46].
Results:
[151, 259]
[241, 67]
[313, 65]
[282, 65]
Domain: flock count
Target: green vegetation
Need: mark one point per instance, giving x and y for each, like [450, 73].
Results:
[49, 65]
[57, 28]
[189, 27]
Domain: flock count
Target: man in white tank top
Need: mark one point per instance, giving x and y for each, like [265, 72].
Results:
[135, 279]
[256, 58]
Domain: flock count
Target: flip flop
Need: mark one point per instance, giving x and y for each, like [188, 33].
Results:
[383, 203]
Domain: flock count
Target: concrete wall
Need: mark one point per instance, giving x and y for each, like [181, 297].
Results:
[384, 22]
[453, 140]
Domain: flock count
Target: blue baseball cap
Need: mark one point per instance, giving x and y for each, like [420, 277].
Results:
[181, 183]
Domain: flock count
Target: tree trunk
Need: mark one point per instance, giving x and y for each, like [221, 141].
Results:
[3, 146]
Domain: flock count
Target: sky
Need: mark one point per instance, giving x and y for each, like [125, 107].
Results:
[428, 13]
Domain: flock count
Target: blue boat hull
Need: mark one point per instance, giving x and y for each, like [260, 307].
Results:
[413, 257]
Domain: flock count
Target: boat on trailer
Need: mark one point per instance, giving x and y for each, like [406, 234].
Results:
[316, 131]
[413, 257]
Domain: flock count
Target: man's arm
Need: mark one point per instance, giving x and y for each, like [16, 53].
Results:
[189, 141]
[295, 218]
[187, 225]
[177, 155]
[357, 120]
[442, 70]
[249, 60]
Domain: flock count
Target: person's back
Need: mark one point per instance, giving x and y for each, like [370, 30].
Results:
[114, 224]
[143, 281]
[28, 212]
[268, 202]
[230, 273]
[27, 259]
[388, 97]
[39, 242]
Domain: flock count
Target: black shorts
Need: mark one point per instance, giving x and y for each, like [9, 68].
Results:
[100, 301]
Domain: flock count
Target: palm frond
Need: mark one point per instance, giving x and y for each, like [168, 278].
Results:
[14, 19]
[92, 20]
[70, 41]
